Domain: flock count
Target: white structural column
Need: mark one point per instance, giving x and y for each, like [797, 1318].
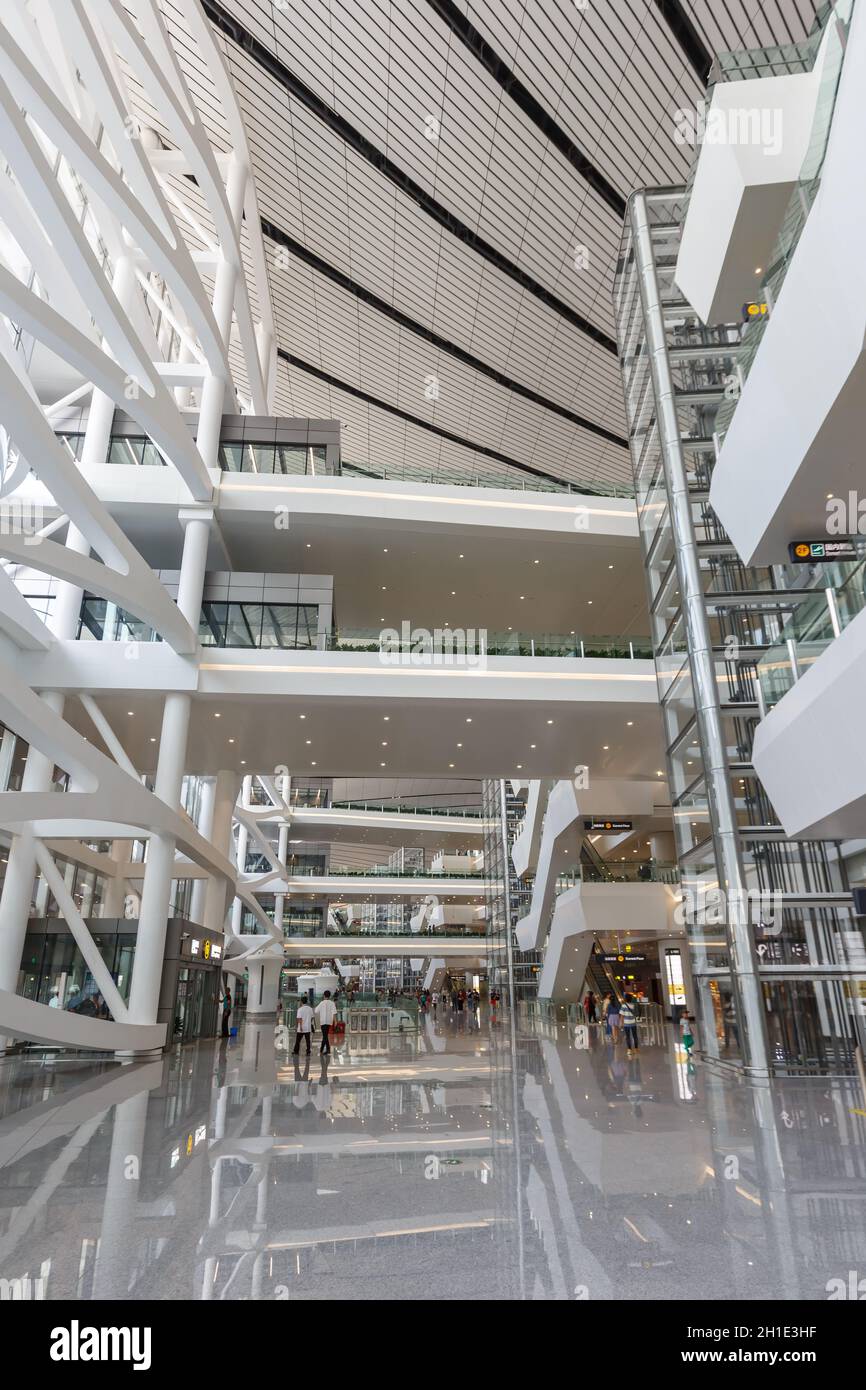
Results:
[243, 844]
[225, 794]
[280, 899]
[153, 919]
[159, 871]
[264, 985]
[205, 827]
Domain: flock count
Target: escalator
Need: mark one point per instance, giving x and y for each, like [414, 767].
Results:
[595, 870]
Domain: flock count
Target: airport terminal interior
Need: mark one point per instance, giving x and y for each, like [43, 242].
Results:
[432, 589]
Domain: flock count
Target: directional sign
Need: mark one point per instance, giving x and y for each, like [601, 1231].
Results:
[818, 552]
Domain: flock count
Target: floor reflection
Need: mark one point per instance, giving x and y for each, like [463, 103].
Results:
[471, 1160]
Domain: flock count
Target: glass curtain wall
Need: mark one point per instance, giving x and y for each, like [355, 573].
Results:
[769, 919]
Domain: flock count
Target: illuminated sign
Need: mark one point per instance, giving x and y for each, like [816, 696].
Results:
[813, 552]
[194, 946]
[607, 826]
[756, 309]
[629, 959]
[206, 950]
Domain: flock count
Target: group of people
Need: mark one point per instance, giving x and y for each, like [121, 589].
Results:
[454, 1000]
[307, 1018]
[619, 1016]
[620, 1019]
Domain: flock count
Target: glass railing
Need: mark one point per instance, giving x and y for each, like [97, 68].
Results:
[400, 808]
[266, 458]
[500, 644]
[623, 872]
[484, 477]
[766, 63]
[292, 627]
[379, 871]
[811, 628]
[333, 934]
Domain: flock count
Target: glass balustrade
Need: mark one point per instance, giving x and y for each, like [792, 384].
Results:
[293, 627]
[267, 458]
[811, 627]
[622, 872]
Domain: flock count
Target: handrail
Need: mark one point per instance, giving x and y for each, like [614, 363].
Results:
[269, 626]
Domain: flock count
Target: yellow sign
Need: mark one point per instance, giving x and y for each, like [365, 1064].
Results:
[207, 949]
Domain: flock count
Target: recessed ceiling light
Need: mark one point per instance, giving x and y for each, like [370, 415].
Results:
[153, 740]
[130, 712]
[381, 764]
[302, 716]
[520, 767]
[312, 764]
[309, 547]
[605, 747]
[460, 745]
[231, 740]
[469, 719]
[610, 567]
[384, 743]
[550, 721]
[629, 723]
[523, 596]
[532, 745]
[385, 551]
[243, 762]
[450, 764]
[308, 741]
[536, 562]
[589, 601]
[216, 716]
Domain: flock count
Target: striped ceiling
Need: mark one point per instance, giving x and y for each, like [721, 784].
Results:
[442, 187]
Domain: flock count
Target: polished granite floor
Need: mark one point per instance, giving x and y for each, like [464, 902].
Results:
[470, 1161]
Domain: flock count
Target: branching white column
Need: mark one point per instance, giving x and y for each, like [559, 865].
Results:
[159, 871]
[243, 844]
[225, 795]
[280, 900]
[21, 869]
[205, 826]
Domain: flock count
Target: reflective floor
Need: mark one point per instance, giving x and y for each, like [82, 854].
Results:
[472, 1160]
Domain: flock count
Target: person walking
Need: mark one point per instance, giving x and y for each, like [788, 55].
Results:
[687, 1034]
[303, 1026]
[227, 1010]
[326, 1012]
[611, 1017]
[589, 1006]
[628, 1015]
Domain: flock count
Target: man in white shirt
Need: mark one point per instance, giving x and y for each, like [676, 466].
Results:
[326, 1012]
[303, 1025]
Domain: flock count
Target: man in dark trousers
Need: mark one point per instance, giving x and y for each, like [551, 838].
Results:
[326, 1012]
